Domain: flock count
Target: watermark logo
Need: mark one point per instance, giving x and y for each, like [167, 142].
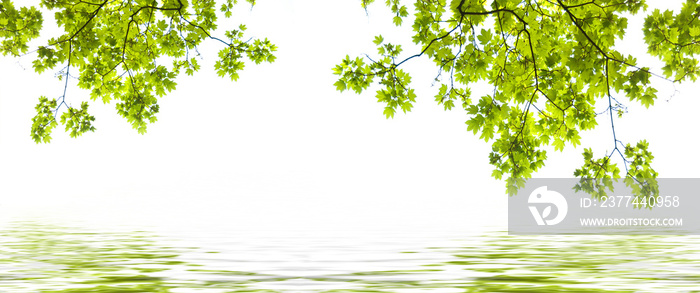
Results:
[559, 206]
[543, 196]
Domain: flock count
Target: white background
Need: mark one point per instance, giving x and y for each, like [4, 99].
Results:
[281, 149]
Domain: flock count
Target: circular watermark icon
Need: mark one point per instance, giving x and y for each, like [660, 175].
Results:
[543, 196]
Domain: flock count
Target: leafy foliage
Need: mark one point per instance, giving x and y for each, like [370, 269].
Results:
[674, 39]
[17, 27]
[549, 62]
[78, 121]
[128, 51]
[44, 121]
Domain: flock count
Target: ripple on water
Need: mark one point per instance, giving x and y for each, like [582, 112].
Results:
[39, 257]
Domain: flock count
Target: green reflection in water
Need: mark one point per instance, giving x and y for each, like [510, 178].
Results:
[501, 263]
[43, 258]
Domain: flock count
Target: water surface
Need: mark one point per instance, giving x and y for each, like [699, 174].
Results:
[44, 257]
